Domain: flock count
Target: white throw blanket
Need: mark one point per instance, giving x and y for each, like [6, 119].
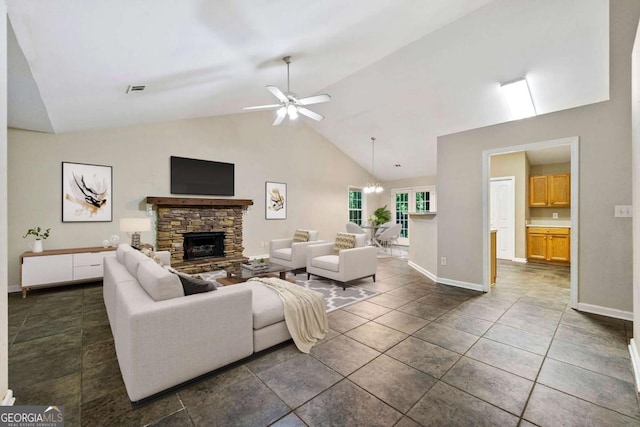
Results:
[304, 311]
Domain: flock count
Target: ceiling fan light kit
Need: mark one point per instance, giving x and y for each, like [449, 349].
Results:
[373, 187]
[289, 104]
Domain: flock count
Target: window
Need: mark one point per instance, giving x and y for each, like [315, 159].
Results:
[422, 201]
[411, 200]
[355, 205]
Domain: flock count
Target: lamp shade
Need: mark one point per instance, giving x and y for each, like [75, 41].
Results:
[135, 225]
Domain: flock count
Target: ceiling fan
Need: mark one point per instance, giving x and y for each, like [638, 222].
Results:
[290, 105]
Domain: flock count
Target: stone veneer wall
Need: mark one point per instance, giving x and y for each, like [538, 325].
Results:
[174, 221]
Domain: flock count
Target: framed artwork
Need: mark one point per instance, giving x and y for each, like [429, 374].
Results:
[87, 193]
[276, 200]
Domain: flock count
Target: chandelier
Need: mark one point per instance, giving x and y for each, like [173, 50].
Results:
[373, 187]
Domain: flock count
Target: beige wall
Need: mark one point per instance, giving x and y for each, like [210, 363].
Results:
[605, 176]
[514, 164]
[4, 359]
[316, 172]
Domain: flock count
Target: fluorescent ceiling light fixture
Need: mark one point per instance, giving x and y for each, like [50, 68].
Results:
[519, 99]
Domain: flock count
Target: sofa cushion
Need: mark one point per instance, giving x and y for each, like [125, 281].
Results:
[327, 262]
[344, 241]
[194, 285]
[267, 305]
[158, 282]
[361, 240]
[132, 259]
[301, 236]
[122, 250]
[284, 253]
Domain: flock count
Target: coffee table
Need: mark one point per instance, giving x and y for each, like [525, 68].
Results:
[247, 273]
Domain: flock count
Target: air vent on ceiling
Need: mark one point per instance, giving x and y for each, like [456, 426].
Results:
[135, 88]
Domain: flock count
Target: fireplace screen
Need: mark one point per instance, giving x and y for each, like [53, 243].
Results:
[203, 245]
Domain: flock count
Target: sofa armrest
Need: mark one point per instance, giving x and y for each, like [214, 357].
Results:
[162, 344]
[358, 262]
[165, 257]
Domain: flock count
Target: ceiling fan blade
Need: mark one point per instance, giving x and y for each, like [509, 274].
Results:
[277, 93]
[310, 114]
[279, 119]
[315, 99]
[262, 107]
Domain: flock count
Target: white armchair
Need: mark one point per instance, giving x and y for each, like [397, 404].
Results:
[292, 255]
[348, 265]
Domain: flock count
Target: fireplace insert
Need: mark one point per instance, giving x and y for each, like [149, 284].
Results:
[203, 245]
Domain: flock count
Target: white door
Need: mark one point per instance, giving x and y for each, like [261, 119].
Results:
[400, 200]
[502, 215]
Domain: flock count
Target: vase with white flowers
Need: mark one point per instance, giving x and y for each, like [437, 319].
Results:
[40, 235]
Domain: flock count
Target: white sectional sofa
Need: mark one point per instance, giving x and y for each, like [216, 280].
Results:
[164, 338]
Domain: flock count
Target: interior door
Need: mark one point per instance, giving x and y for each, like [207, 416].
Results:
[502, 215]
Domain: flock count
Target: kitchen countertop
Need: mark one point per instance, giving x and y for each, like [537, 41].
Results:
[551, 224]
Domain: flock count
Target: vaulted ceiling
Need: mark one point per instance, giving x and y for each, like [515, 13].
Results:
[404, 71]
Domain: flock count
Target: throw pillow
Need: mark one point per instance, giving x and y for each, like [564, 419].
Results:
[301, 236]
[151, 254]
[344, 241]
[191, 285]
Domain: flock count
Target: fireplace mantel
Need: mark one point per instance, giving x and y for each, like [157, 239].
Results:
[194, 201]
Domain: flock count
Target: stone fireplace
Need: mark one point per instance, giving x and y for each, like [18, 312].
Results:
[209, 222]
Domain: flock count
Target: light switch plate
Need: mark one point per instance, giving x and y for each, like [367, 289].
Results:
[623, 211]
[555, 215]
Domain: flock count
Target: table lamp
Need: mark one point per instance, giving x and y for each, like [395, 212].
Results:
[135, 226]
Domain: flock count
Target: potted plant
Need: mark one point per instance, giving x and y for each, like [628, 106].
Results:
[40, 235]
[381, 215]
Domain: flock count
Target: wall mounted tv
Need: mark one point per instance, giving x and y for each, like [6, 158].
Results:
[203, 177]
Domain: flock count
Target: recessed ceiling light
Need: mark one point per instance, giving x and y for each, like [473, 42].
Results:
[519, 99]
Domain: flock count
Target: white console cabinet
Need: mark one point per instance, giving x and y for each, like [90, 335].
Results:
[61, 267]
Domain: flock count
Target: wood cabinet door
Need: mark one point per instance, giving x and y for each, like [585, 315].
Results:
[560, 190]
[558, 247]
[538, 191]
[537, 246]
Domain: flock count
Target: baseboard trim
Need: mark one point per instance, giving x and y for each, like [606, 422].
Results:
[423, 271]
[13, 288]
[635, 361]
[522, 260]
[444, 280]
[460, 284]
[605, 311]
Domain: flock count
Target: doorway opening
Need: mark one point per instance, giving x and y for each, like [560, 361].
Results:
[563, 152]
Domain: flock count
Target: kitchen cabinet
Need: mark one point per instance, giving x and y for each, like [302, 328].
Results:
[61, 266]
[549, 245]
[550, 191]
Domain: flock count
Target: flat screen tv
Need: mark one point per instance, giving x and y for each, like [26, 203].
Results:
[203, 177]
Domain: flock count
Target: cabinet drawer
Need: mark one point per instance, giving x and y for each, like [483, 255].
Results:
[548, 230]
[88, 258]
[87, 272]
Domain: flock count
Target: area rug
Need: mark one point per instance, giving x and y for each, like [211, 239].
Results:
[334, 296]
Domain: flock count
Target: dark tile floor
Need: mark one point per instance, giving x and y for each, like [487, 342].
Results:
[417, 354]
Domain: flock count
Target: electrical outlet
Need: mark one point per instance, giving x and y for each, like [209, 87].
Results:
[555, 215]
[623, 211]
[443, 261]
